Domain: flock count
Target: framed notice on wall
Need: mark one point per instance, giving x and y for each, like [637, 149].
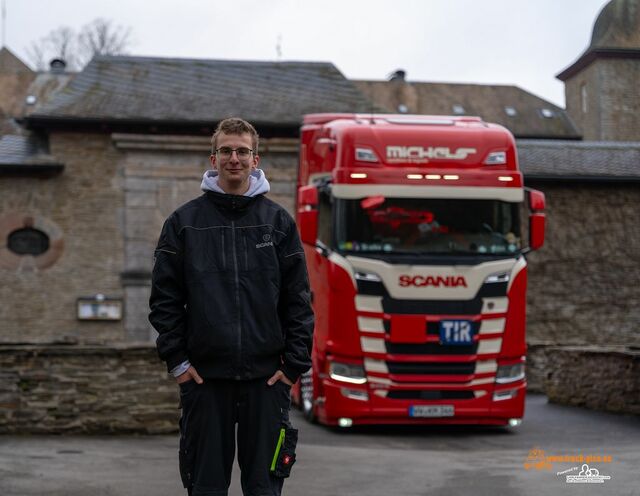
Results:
[99, 308]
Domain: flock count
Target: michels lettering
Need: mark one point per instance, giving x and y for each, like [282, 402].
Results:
[419, 153]
[434, 281]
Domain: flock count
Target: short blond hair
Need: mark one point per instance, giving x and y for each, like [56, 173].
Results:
[235, 125]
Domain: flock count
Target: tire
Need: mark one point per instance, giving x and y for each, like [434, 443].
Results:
[307, 396]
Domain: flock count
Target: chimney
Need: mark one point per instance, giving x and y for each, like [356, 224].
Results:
[57, 66]
[398, 75]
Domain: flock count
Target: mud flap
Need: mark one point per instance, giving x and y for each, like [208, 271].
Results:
[285, 453]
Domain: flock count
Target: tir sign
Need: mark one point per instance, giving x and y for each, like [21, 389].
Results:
[456, 332]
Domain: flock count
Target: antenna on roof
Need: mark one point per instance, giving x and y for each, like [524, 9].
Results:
[279, 48]
[4, 23]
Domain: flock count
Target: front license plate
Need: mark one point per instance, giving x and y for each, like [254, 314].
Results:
[456, 332]
[431, 411]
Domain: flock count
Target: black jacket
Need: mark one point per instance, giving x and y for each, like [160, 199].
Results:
[230, 290]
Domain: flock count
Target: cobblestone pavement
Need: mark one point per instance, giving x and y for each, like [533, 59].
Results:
[365, 461]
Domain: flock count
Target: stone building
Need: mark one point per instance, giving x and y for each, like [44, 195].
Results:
[92, 163]
[601, 86]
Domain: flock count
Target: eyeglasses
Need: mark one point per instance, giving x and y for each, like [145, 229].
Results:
[243, 153]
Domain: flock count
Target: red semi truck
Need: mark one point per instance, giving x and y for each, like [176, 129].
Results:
[412, 230]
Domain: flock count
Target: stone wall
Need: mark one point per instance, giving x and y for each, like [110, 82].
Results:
[583, 284]
[600, 378]
[84, 208]
[81, 389]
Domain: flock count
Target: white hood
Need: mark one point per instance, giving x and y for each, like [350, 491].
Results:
[258, 184]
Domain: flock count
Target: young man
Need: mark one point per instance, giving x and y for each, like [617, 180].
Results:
[231, 303]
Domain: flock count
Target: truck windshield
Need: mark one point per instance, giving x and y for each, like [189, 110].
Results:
[432, 226]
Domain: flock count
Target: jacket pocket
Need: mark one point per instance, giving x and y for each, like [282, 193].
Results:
[285, 453]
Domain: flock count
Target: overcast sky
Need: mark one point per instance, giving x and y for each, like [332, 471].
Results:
[520, 42]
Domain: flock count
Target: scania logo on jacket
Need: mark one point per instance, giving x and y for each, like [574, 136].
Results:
[434, 281]
[267, 241]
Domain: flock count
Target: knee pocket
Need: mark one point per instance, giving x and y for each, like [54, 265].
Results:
[284, 455]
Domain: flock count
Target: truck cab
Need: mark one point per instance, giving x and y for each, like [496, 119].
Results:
[415, 230]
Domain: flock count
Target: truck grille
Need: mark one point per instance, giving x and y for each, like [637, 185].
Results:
[435, 368]
[429, 395]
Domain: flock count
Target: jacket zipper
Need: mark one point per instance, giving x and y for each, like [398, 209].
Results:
[224, 260]
[237, 282]
[246, 252]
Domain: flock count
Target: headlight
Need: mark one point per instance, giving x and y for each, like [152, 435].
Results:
[347, 372]
[496, 158]
[510, 373]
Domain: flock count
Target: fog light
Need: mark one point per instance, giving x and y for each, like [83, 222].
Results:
[515, 422]
[505, 395]
[355, 394]
[510, 373]
[345, 422]
[347, 372]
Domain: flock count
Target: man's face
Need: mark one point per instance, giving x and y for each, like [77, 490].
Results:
[234, 170]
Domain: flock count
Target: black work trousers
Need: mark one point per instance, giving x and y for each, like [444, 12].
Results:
[266, 441]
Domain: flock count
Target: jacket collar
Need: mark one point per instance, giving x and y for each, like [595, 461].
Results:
[234, 203]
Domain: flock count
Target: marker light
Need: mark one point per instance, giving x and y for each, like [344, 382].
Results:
[499, 277]
[358, 175]
[414, 176]
[496, 158]
[355, 394]
[451, 177]
[505, 395]
[505, 178]
[433, 176]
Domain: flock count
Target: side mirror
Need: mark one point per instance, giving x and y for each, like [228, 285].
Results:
[308, 214]
[537, 223]
[537, 218]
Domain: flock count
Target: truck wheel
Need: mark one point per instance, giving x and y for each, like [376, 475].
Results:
[307, 396]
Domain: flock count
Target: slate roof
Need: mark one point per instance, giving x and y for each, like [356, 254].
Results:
[193, 90]
[484, 100]
[26, 154]
[579, 160]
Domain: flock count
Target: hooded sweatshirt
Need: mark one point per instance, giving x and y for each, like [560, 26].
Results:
[258, 185]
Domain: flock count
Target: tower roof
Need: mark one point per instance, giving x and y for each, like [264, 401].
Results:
[617, 25]
[616, 34]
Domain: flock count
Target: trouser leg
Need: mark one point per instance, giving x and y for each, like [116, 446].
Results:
[262, 412]
[207, 436]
